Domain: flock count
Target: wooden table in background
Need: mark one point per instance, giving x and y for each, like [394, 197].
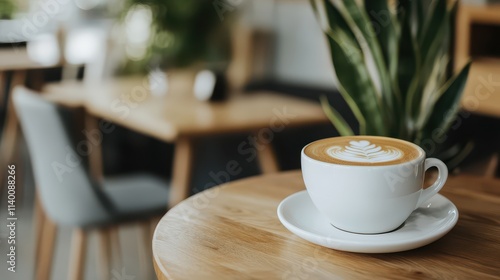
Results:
[233, 232]
[179, 118]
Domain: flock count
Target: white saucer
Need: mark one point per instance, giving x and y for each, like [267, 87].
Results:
[425, 225]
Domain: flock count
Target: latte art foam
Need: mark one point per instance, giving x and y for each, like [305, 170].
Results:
[363, 150]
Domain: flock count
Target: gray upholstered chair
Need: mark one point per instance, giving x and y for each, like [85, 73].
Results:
[68, 195]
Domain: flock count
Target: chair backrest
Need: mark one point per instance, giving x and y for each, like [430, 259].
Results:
[64, 187]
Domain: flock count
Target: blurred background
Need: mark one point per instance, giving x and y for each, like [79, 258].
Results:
[213, 51]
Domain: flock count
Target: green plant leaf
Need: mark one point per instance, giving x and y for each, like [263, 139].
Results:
[384, 26]
[355, 80]
[387, 30]
[446, 107]
[431, 90]
[432, 36]
[336, 20]
[419, 17]
[436, 11]
[432, 47]
[403, 6]
[408, 73]
[451, 38]
[360, 23]
[393, 74]
[408, 57]
[337, 120]
[357, 89]
[421, 10]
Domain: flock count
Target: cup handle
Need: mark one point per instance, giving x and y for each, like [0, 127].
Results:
[438, 185]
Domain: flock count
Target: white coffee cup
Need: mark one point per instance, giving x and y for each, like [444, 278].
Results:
[368, 191]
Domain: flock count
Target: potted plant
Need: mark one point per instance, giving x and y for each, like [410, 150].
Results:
[391, 59]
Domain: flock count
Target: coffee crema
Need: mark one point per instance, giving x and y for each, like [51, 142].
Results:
[362, 150]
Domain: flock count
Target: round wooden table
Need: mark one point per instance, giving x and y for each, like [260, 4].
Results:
[233, 232]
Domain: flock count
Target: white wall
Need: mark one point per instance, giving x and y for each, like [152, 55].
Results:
[301, 54]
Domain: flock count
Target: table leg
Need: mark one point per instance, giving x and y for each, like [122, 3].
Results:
[181, 177]
[37, 79]
[267, 158]
[91, 124]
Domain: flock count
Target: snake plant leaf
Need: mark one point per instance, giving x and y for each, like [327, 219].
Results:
[335, 18]
[450, 38]
[420, 15]
[408, 62]
[408, 72]
[337, 120]
[359, 22]
[353, 76]
[431, 48]
[382, 20]
[358, 90]
[403, 8]
[394, 75]
[432, 34]
[435, 16]
[431, 90]
[447, 105]
[386, 28]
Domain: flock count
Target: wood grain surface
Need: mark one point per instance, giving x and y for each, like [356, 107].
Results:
[233, 232]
